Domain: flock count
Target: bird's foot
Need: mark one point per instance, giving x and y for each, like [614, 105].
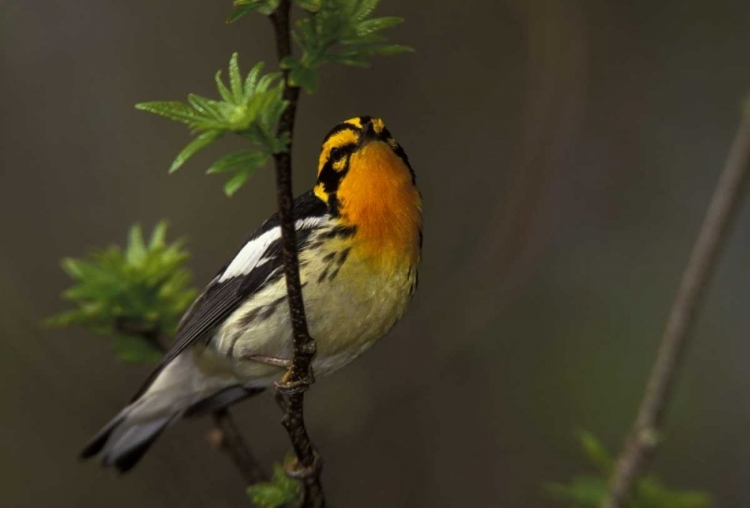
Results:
[287, 386]
[269, 360]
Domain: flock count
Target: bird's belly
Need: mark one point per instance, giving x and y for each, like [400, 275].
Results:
[347, 312]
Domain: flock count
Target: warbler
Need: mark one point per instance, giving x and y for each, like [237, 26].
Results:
[359, 238]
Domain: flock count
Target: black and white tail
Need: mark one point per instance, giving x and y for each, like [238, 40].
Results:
[179, 390]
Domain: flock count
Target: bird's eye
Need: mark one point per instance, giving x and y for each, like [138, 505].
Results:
[336, 154]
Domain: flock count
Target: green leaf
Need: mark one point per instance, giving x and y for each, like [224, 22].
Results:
[226, 95]
[238, 180]
[277, 493]
[242, 7]
[240, 11]
[583, 490]
[177, 111]
[243, 159]
[251, 107]
[339, 31]
[651, 493]
[387, 50]
[207, 109]
[72, 267]
[374, 25]
[136, 350]
[304, 77]
[158, 236]
[198, 143]
[364, 9]
[310, 5]
[235, 79]
[251, 159]
[595, 451]
[648, 491]
[145, 286]
[137, 251]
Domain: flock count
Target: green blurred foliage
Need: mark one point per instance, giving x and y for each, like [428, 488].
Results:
[134, 295]
[242, 7]
[279, 492]
[589, 490]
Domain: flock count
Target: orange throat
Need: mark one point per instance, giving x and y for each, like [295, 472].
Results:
[379, 197]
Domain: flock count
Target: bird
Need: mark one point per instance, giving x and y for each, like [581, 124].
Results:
[359, 241]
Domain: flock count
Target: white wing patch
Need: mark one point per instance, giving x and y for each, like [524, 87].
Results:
[251, 255]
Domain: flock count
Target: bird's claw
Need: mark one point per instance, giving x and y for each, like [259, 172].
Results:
[288, 387]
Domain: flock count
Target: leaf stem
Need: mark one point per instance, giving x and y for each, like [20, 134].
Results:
[296, 381]
[644, 434]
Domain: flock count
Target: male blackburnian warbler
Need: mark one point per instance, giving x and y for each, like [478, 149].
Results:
[359, 235]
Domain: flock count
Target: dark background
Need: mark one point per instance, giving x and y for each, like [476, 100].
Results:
[566, 151]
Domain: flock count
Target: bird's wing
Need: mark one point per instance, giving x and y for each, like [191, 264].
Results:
[258, 262]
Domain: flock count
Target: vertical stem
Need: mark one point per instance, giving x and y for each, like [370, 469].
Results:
[644, 435]
[298, 378]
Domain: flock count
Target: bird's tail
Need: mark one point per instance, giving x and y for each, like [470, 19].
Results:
[179, 390]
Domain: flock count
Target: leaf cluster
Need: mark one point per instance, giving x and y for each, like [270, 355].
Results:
[590, 490]
[342, 32]
[133, 295]
[250, 107]
[334, 31]
[281, 491]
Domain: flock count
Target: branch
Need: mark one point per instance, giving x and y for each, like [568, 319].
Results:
[644, 435]
[299, 376]
[224, 436]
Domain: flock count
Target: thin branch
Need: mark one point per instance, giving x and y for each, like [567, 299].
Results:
[224, 436]
[644, 435]
[299, 377]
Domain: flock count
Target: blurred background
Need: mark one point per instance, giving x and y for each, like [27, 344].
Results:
[566, 151]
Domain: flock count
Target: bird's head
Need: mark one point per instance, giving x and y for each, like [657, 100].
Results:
[360, 160]
[366, 180]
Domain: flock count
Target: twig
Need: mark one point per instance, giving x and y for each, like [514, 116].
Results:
[644, 435]
[296, 381]
[224, 436]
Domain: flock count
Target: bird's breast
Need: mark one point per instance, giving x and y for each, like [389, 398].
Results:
[350, 303]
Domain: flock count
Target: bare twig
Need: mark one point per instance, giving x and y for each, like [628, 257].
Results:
[224, 436]
[296, 381]
[644, 435]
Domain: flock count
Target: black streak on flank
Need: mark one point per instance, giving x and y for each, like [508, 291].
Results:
[340, 232]
[249, 318]
[267, 313]
[335, 273]
[343, 256]
[340, 262]
[270, 309]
